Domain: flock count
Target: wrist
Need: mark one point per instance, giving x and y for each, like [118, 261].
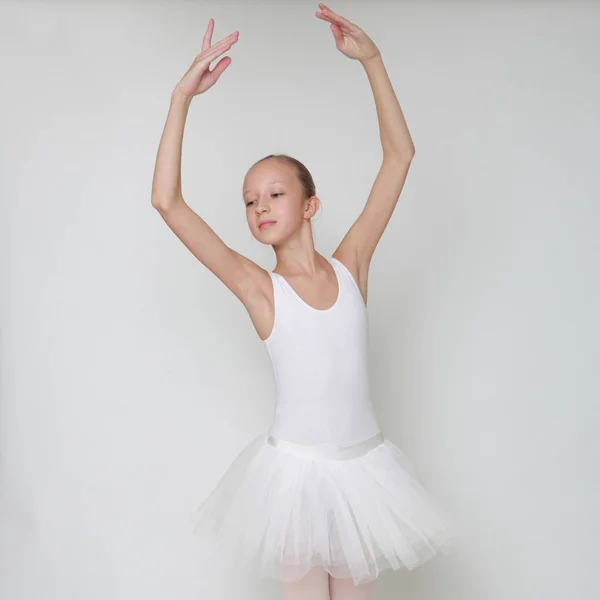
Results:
[179, 98]
[372, 60]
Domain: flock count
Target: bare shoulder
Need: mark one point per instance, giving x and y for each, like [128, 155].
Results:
[246, 279]
[252, 284]
[358, 269]
[249, 282]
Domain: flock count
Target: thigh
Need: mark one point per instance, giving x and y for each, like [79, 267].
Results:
[313, 586]
[346, 589]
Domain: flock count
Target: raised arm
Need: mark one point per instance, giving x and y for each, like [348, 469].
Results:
[358, 245]
[237, 272]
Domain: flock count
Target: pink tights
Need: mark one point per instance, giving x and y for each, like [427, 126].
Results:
[317, 584]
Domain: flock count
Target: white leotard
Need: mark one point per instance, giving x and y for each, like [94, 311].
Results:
[320, 364]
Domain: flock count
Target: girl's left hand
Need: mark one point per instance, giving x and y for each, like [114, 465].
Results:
[350, 39]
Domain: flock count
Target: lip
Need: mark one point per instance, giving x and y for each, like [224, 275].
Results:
[266, 223]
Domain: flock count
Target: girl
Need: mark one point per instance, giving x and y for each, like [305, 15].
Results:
[323, 502]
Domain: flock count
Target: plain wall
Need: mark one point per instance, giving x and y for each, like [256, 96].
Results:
[131, 377]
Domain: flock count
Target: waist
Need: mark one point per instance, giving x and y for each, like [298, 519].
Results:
[326, 451]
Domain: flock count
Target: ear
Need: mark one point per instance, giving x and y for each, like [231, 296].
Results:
[312, 206]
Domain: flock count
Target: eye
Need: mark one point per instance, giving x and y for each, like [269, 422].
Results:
[273, 194]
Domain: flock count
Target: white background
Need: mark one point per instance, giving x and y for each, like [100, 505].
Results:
[131, 377]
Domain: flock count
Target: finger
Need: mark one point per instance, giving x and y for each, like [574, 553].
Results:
[208, 35]
[228, 40]
[219, 68]
[337, 33]
[338, 19]
[218, 48]
[343, 27]
[326, 8]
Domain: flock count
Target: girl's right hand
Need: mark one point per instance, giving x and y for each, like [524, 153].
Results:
[199, 78]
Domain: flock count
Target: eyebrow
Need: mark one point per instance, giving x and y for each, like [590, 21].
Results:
[276, 181]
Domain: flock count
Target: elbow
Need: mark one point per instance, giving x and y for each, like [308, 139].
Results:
[162, 204]
[405, 158]
[156, 204]
[401, 156]
[159, 206]
[409, 154]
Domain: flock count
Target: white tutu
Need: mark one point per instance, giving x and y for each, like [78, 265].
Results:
[281, 513]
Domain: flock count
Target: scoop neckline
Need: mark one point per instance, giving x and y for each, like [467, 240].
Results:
[319, 310]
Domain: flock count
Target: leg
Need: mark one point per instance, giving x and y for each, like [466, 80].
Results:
[313, 586]
[345, 589]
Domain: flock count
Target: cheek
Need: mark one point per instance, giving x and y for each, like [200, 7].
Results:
[290, 214]
[251, 220]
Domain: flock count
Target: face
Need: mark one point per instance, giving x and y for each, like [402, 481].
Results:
[275, 207]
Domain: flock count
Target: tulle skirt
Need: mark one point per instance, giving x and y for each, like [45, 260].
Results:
[282, 508]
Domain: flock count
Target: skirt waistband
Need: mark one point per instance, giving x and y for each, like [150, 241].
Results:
[326, 451]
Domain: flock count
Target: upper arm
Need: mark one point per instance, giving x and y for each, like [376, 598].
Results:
[241, 275]
[358, 245]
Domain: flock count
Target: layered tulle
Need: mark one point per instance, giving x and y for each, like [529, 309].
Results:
[280, 515]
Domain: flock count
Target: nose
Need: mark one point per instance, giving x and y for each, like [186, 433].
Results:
[260, 208]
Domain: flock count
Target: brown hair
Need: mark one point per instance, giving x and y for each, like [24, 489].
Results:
[304, 176]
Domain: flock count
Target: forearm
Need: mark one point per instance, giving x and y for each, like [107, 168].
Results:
[166, 185]
[395, 137]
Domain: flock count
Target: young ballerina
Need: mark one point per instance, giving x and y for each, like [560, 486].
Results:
[323, 501]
